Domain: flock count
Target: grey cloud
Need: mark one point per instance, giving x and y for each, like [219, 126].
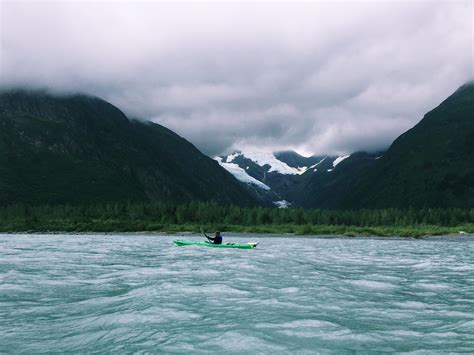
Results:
[317, 77]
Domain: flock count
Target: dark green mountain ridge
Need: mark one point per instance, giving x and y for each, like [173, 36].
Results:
[430, 165]
[80, 149]
[326, 187]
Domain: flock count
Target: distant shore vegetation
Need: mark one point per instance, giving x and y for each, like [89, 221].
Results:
[197, 216]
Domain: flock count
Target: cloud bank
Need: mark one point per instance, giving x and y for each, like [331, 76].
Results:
[316, 77]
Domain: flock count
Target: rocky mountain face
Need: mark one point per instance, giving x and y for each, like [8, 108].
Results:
[296, 160]
[278, 177]
[80, 149]
[326, 188]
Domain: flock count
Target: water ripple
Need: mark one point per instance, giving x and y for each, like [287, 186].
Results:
[139, 293]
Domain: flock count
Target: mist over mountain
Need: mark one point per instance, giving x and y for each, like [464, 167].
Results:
[430, 165]
[81, 149]
[318, 77]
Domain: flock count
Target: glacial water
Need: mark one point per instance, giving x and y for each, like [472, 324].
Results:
[140, 293]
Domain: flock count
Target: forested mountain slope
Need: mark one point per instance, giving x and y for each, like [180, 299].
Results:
[81, 149]
[430, 165]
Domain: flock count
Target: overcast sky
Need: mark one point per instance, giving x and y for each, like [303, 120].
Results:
[324, 77]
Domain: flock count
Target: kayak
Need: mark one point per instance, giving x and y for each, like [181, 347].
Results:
[182, 243]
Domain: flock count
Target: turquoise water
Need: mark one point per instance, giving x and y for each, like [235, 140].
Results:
[106, 293]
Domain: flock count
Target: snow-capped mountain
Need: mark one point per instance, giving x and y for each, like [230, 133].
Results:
[276, 176]
[240, 174]
[268, 160]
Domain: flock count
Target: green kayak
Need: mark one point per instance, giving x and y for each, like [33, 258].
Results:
[182, 243]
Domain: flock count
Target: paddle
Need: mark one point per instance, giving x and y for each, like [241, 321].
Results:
[202, 231]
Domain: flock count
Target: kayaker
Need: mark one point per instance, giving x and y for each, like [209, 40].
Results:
[217, 239]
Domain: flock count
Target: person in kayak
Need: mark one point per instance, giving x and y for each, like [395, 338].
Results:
[217, 239]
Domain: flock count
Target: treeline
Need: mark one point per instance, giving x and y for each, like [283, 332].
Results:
[157, 216]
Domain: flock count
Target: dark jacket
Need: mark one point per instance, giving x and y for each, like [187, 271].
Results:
[215, 240]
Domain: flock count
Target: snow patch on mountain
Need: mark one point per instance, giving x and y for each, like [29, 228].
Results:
[263, 159]
[339, 159]
[240, 174]
[319, 162]
[282, 204]
[230, 158]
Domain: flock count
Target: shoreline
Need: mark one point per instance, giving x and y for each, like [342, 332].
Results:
[194, 217]
[416, 234]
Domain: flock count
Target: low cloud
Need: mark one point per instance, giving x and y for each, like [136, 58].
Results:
[316, 77]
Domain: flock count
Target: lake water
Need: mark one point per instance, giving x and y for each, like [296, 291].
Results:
[127, 293]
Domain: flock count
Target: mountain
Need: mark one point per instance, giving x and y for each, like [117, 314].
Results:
[296, 160]
[80, 149]
[277, 177]
[327, 187]
[430, 165]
